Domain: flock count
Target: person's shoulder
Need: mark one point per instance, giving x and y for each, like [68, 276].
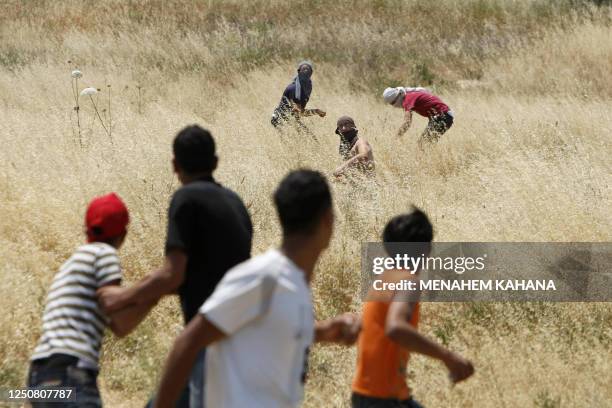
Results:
[85, 254]
[388, 283]
[195, 190]
[267, 262]
[397, 275]
[362, 142]
[230, 197]
[289, 89]
[199, 185]
[251, 269]
[264, 261]
[230, 193]
[96, 249]
[424, 93]
[183, 192]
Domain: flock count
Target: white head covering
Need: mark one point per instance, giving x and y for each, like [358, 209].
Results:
[306, 62]
[392, 95]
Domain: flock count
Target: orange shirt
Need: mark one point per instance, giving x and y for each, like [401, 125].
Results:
[381, 363]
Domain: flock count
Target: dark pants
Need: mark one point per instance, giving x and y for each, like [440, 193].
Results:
[361, 401]
[437, 126]
[61, 370]
[281, 118]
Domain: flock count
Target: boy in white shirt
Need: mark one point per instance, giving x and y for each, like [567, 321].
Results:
[259, 322]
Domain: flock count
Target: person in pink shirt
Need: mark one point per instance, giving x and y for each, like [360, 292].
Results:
[421, 101]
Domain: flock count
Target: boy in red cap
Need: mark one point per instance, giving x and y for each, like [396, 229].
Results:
[67, 354]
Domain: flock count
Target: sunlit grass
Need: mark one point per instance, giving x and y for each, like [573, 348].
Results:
[528, 159]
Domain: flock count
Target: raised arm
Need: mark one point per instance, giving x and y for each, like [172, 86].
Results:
[307, 112]
[311, 112]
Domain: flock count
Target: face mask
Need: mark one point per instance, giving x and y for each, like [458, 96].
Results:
[348, 135]
[304, 75]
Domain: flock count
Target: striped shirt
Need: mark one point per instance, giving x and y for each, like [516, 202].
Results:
[73, 322]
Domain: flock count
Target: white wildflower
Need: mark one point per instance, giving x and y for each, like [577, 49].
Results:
[77, 74]
[89, 91]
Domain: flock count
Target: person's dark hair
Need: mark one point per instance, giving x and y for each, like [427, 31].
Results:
[194, 150]
[411, 227]
[301, 199]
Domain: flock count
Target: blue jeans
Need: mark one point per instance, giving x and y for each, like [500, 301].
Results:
[62, 371]
[196, 382]
[193, 394]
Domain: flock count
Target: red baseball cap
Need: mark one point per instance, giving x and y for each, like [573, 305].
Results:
[107, 217]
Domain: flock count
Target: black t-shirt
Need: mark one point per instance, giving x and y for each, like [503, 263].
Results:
[211, 224]
[289, 95]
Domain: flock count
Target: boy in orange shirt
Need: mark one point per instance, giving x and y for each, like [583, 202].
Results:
[389, 329]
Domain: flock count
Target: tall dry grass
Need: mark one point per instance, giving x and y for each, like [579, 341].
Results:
[377, 42]
[527, 160]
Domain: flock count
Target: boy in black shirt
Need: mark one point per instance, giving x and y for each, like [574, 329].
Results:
[209, 232]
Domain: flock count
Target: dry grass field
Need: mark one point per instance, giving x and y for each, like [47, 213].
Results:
[529, 159]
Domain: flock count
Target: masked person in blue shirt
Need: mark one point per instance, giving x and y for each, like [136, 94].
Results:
[292, 105]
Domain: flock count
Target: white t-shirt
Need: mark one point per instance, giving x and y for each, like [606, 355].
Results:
[264, 305]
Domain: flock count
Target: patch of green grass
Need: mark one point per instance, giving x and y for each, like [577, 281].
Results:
[12, 58]
[545, 400]
[445, 332]
[12, 374]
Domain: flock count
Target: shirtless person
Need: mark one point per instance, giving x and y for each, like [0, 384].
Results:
[356, 151]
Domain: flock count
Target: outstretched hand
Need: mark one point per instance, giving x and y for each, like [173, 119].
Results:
[343, 329]
[459, 368]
